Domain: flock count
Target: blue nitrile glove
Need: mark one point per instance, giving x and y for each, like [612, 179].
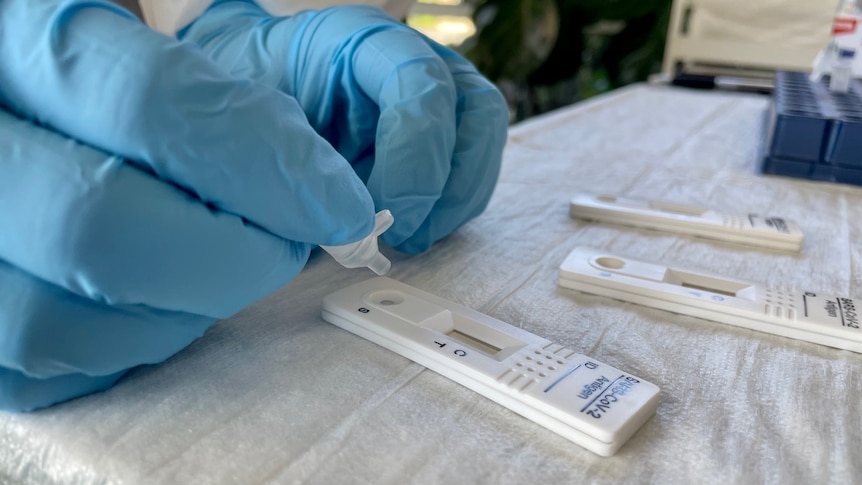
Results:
[419, 124]
[144, 193]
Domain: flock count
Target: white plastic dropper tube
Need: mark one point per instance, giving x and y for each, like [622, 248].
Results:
[365, 253]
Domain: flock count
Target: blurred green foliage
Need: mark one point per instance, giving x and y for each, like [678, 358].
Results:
[548, 53]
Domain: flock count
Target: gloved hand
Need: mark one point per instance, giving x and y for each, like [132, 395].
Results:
[144, 193]
[419, 125]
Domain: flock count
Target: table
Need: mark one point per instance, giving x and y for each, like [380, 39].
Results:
[277, 395]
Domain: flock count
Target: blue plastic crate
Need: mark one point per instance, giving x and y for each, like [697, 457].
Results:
[812, 132]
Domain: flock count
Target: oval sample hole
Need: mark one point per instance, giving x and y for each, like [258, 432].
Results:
[385, 297]
[612, 263]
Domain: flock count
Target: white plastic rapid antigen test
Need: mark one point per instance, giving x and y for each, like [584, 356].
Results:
[768, 232]
[590, 403]
[809, 316]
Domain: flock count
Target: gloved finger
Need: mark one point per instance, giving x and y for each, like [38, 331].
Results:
[483, 117]
[247, 42]
[416, 97]
[101, 228]
[91, 71]
[46, 331]
[19, 392]
[366, 82]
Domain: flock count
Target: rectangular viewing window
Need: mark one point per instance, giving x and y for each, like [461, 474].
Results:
[711, 284]
[474, 334]
[711, 290]
[477, 344]
[678, 209]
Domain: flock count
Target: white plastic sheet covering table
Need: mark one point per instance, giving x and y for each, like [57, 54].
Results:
[277, 395]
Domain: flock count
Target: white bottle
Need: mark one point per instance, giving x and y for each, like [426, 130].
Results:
[846, 33]
[846, 41]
